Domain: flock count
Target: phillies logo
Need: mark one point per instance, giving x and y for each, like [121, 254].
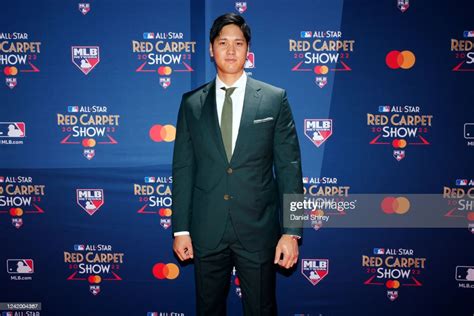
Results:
[318, 130]
[315, 269]
[85, 57]
[241, 7]
[84, 8]
[90, 199]
[403, 5]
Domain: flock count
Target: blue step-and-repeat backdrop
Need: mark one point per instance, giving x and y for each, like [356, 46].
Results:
[381, 93]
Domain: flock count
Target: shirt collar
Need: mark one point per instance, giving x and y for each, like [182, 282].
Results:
[240, 83]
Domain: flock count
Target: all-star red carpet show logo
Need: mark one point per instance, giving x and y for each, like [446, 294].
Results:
[18, 55]
[460, 200]
[163, 53]
[319, 52]
[94, 264]
[463, 52]
[88, 126]
[329, 189]
[20, 197]
[393, 269]
[154, 196]
[399, 127]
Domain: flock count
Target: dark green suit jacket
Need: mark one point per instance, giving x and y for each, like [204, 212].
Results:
[207, 188]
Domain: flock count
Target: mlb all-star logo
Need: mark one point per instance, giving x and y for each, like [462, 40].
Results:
[94, 289]
[403, 5]
[392, 295]
[11, 82]
[321, 81]
[315, 269]
[165, 222]
[89, 153]
[84, 8]
[85, 57]
[165, 82]
[90, 199]
[241, 7]
[399, 154]
[318, 130]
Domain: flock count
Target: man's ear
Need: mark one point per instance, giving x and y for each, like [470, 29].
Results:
[210, 50]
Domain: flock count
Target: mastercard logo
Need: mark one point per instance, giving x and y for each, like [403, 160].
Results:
[89, 142]
[163, 133]
[168, 271]
[321, 70]
[404, 60]
[470, 216]
[165, 211]
[392, 284]
[399, 205]
[10, 71]
[94, 279]
[164, 70]
[399, 143]
[16, 211]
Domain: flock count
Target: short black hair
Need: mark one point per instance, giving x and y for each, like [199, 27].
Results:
[226, 19]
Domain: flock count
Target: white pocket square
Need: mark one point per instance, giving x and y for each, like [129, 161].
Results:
[263, 120]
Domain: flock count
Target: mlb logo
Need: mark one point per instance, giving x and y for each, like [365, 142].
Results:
[165, 223]
[250, 62]
[305, 180]
[85, 57]
[2, 179]
[306, 34]
[165, 82]
[84, 8]
[152, 314]
[316, 224]
[399, 154]
[465, 273]
[315, 269]
[20, 266]
[7, 313]
[379, 251]
[73, 109]
[318, 130]
[461, 182]
[468, 34]
[90, 199]
[89, 153]
[17, 222]
[148, 35]
[94, 289]
[241, 7]
[392, 295]
[150, 179]
[321, 81]
[12, 129]
[11, 82]
[384, 108]
[79, 247]
[403, 5]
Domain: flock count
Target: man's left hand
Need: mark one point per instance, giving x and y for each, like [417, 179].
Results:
[288, 246]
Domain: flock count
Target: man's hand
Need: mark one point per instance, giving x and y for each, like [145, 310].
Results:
[183, 247]
[287, 246]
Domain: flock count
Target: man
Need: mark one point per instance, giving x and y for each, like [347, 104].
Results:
[230, 134]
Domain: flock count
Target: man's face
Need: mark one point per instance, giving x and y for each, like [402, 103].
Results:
[229, 50]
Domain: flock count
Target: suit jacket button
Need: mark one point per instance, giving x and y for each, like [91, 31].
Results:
[229, 170]
[226, 197]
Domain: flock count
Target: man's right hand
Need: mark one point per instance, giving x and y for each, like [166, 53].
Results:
[183, 247]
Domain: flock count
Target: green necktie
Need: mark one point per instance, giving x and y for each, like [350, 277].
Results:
[226, 122]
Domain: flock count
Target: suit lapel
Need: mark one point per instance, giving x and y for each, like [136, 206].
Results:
[211, 121]
[252, 99]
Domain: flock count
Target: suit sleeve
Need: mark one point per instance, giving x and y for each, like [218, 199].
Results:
[183, 174]
[287, 163]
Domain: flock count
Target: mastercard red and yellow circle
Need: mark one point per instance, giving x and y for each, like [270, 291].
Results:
[399, 205]
[163, 133]
[396, 59]
[10, 71]
[168, 271]
[16, 211]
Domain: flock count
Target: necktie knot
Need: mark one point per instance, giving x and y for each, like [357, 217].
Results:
[228, 91]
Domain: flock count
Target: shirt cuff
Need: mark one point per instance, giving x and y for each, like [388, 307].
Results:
[183, 233]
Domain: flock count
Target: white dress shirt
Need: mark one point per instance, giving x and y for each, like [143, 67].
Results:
[237, 107]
